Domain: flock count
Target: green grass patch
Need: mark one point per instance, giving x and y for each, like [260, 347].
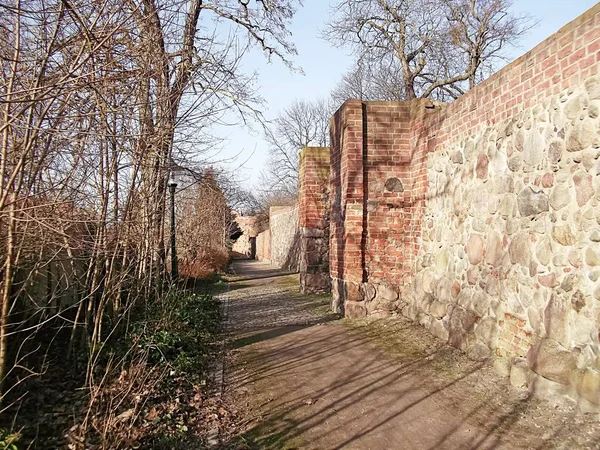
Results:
[8, 440]
[167, 359]
[180, 330]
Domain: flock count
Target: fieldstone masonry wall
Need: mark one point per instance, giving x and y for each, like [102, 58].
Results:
[285, 239]
[480, 219]
[263, 246]
[251, 227]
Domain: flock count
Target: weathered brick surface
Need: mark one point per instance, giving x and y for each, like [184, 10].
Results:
[313, 204]
[346, 196]
[347, 206]
[475, 218]
[378, 185]
[514, 339]
[396, 169]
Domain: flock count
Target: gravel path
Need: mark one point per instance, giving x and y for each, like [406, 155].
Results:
[301, 379]
[260, 297]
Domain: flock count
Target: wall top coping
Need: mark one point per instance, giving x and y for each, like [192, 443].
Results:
[526, 58]
[320, 151]
[274, 210]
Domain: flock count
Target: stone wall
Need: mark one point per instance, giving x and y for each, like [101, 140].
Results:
[277, 238]
[313, 203]
[478, 219]
[251, 227]
[378, 183]
[285, 237]
[263, 246]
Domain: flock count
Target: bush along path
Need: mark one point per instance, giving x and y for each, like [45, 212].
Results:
[298, 378]
[151, 387]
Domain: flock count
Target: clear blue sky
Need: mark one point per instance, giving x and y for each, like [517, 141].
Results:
[323, 66]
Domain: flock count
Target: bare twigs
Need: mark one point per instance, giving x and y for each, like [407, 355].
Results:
[96, 101]
[439, 48]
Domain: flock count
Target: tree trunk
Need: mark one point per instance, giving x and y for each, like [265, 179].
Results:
[6, 292]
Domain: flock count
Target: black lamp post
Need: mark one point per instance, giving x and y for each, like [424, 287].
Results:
[172, 186]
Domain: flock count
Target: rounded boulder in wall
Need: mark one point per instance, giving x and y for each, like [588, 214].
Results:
[394, 185]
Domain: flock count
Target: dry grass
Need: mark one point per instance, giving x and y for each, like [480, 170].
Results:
[209, 261]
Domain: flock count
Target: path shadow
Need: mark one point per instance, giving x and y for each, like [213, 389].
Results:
[328, 387]
[264, 335]
[322, 383]
[244, 270]
[259, 277]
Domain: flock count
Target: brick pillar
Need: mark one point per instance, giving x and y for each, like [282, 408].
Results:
[347, 214]
[313, 200]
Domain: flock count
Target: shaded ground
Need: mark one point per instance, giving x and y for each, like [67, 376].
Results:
[301, 379]
[249, 269]
[151, 385]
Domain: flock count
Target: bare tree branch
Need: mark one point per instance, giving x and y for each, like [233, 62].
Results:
[440, 47]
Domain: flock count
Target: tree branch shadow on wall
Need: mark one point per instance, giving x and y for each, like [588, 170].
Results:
[423, 142]
[482, 144]
[338, 207]
[292, 259]
[445, 184]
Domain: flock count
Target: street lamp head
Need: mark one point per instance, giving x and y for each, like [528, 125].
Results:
[171, 182]
[182, 176]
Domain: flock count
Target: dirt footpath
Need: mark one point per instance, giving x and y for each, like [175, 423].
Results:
[302, 378]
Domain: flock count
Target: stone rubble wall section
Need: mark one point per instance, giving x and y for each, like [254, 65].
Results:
[241, 247]
[313, 204]
[479, 219]
[277, 238]
[263, 246]
[251, 227]
[284, 237]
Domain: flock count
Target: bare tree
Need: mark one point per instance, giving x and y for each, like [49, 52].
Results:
[94, 99]
[204, 221]
[180, 56]
[442, 47]
[302, 124]
[370, 82]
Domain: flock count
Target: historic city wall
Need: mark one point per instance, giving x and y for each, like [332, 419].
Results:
[285, 238]
[276, 238]
[263, 246]
[313, 204]
[479, 219]
[251, 227]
